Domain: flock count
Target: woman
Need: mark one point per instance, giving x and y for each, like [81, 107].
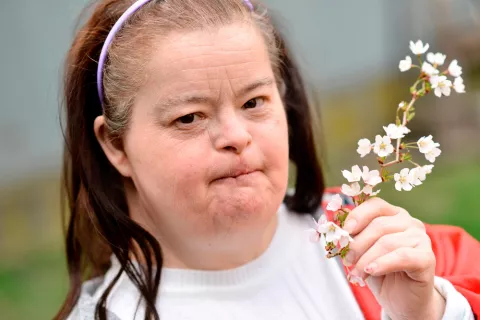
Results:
[182, 116]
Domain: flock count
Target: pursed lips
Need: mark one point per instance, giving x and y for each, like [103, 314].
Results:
[236, 174]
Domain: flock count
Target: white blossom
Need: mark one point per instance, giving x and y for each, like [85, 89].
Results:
[333, 233]
[427, 168]
[406, 64]
[383, 146]
[371, 178]
[441, 85]
[402, 180]
[368, 190]
[426, 144]
[364, 147]
[458, 85]
[419, 174]
[436, 58]
[322, 224]
[454, 69]
[396, 132]
[433, 154]
[356, 280]
[414, 177]
[429, 70]
[401, 104]
[352, 190]
[418, 47]
[314, 234]
[335, 204]
[344, 239]
[353, 176]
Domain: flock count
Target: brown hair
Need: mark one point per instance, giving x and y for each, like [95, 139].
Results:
[99, 224]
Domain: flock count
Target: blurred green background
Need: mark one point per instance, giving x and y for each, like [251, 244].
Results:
[350, 52]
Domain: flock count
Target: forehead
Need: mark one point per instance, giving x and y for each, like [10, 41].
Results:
[199, 59]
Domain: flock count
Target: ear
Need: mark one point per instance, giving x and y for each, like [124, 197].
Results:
[114, 151]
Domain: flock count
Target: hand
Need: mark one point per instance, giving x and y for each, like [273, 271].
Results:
[392, 251]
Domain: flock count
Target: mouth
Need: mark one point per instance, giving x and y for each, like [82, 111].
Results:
[237, 175]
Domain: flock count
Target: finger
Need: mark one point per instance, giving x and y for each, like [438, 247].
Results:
[418, 263]
[378, 228]
[362, 215]
[410, 238]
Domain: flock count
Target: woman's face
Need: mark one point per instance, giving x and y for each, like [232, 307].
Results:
[207, 146]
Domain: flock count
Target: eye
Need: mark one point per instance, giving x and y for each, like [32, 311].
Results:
[187, 119]
[254, 103]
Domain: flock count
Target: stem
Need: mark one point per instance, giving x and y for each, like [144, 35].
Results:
[420, 59]
[416, 83]
[333, 255]
[404, 123]
[391, 163]
[414, 163]
[383, 166]
[399, 141]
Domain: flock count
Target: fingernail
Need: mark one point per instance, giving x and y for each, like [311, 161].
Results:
[349, 259]
[350, 225]
[372, 267]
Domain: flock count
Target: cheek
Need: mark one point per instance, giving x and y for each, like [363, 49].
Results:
[274, 144]
[166, 167]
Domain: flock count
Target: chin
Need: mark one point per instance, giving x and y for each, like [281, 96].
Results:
[239, 204]
[243, 206]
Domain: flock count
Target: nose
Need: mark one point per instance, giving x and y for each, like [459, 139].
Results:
[232, 134]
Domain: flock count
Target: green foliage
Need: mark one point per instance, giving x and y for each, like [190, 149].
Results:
[35, 289]
[410, 116]
[450, 195]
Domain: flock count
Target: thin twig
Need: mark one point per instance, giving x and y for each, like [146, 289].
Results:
[404, 123]
[414, 163]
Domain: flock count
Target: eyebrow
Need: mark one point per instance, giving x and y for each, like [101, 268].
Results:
[265, 82]
[169, 103]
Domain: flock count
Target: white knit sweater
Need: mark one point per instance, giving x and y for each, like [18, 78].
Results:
[291, 280]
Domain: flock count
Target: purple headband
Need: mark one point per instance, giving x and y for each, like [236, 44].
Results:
[103, 54]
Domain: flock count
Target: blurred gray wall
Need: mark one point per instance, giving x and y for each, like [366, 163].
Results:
[34, 38]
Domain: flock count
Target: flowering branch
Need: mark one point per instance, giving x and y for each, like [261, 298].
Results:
[431, 79]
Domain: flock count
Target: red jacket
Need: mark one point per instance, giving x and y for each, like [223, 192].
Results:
[456, 253]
